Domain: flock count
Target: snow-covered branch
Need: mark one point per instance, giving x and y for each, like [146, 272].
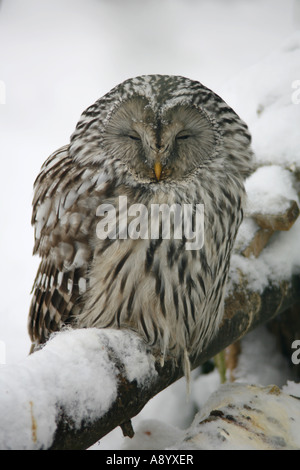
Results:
[84, 383]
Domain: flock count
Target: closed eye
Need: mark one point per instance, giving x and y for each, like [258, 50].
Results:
[182, 136]
[134, 137]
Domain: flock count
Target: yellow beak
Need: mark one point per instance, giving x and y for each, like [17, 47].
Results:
[157, 170]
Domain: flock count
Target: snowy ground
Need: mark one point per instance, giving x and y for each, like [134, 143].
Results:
[59, 56]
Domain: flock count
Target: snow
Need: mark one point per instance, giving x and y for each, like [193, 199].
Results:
[269, 190]
[55, 64]
[267, 101]
[292, 388]
[262, 95]
[153, 434]
[138, 367]
[252, 370]
[72, 372]
[278, 261]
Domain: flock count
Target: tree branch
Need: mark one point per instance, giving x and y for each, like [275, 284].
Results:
[84, 383]
[244, 311]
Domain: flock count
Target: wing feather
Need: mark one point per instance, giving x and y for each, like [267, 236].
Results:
[64, 209]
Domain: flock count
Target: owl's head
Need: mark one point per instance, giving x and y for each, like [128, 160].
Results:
[154, 129]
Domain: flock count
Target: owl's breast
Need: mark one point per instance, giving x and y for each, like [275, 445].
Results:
[159, 268]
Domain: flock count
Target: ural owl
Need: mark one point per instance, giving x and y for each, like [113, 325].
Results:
[153, 140]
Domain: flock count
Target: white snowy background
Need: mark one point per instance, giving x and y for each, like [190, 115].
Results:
[58, 56]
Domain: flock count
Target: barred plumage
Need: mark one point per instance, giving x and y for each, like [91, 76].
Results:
[156, 140]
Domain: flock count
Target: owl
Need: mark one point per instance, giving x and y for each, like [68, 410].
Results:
[152, 141]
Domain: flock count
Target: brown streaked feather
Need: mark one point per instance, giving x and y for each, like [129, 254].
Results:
[53, 304]
[64, 221]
